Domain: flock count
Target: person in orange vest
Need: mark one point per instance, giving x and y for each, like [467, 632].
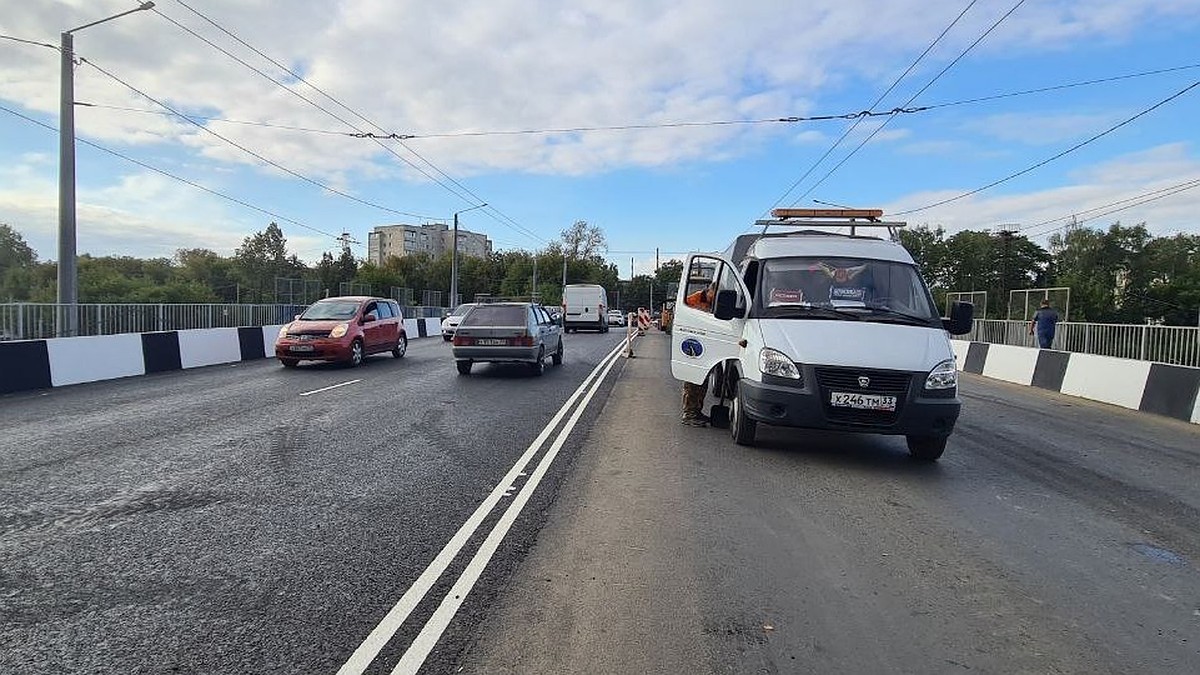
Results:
[692, 414]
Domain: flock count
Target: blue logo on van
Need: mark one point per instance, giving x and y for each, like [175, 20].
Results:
[692, 347]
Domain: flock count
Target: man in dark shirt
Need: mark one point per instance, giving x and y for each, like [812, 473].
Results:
[1043, 323]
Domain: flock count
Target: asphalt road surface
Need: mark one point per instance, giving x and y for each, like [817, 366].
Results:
[1055, 536]
[251, 519]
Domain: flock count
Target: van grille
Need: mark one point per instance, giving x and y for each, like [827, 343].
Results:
[883, 382]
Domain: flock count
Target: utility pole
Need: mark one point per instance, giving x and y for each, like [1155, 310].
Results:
[1006, 236]
[534, 295]
[454, 256]
[656, 260]
[68, 278]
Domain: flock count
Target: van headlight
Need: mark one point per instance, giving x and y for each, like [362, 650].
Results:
[943, 376]
[773, 362]
[339, 330]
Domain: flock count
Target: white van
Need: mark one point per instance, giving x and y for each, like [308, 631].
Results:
[585, 306]
[820, 330]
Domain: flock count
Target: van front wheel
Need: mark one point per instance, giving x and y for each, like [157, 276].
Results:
[741, 427]
[927, 448]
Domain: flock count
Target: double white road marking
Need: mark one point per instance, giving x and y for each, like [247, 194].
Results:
[419, 650]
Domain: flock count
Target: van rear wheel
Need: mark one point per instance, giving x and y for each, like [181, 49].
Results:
[927, 448]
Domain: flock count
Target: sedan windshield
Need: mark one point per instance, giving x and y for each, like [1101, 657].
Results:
[871, 290]
[496, 315]
[336, 310]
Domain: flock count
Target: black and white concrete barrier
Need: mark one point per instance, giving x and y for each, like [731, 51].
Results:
[40, 364]
[1159, 388]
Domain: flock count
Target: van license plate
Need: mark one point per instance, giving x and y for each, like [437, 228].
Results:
[300, 348]
[841, 399]
[491, 342]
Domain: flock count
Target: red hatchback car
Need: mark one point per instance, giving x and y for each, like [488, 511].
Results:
[345, 329]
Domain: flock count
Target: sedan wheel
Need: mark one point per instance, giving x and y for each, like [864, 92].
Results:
[464, 367]
[356, 354]
[539, 366]
[558, 355]
[401, 347]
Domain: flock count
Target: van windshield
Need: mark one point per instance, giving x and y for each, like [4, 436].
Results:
[837, 288]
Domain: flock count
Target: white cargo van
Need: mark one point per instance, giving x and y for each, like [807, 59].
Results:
[818, 329]
[585, 306]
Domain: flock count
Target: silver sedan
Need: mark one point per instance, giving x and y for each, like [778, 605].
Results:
[507, 332]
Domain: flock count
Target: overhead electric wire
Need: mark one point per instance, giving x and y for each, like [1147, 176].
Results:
[912, 98]
[290, 172]
[205, 118]
[1051, 159]
[301, 97]
[648, 126]
[879, 100]
[172, 176]
[511, 224]
[14, 38]
[1059, 87]
[1122, 205]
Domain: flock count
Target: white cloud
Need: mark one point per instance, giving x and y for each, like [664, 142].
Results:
[1107, 183]
[139, 214]
[415, 67]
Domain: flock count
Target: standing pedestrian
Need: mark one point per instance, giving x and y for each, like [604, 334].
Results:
[693, 394]
[1043, 323]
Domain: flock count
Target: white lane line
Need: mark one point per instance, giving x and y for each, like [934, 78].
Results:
[419, 650]
[332, 386]
[391, 622]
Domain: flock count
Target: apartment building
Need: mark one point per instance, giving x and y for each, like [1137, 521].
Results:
[434, 239]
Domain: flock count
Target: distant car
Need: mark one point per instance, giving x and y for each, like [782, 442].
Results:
[345, 329]
[616, 318]
[451, 321]
[507, 332]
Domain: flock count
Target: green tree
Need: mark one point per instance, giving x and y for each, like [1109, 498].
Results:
[582, 240]
[17, 264]
[262, 258]
[1105, 270]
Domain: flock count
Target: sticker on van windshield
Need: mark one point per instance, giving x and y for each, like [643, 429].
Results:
[844, 294]
[692, 347]
[785, 296]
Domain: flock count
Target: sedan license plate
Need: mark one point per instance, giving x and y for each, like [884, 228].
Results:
[300, 348]
[841, 399]
[491, 342]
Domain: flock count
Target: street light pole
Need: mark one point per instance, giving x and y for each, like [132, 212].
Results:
[68, 280]
[454, 257]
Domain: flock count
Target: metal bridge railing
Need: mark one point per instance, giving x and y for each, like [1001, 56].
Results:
[1178, 345]
[33, 321]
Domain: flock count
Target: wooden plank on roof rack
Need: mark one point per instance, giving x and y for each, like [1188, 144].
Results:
[826, 213]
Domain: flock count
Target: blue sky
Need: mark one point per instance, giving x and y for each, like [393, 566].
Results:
[431, 69]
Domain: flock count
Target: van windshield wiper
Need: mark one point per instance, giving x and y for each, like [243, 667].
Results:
[903, 316]
[809, 312]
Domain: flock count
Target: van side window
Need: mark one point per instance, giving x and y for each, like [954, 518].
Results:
[702, 280]
[750, 277]
[727, 281]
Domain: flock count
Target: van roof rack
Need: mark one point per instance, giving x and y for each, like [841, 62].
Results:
[814, 218]
[852, 218]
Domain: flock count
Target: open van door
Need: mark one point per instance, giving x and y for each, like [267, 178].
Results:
[707, 330]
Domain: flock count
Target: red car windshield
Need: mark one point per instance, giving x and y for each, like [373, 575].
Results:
[338, 310]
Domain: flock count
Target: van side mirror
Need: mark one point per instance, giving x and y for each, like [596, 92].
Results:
[726, 305]
[962, 316]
